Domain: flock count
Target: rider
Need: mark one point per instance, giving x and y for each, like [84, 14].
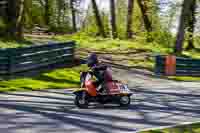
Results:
[97, 69]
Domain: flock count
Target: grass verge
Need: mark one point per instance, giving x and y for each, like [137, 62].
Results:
[57, 79]
[139, 53]
[185, 78]
[193, 128]
[6, 43]
[133, 53]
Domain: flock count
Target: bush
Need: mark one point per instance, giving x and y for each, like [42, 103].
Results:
[61, 29]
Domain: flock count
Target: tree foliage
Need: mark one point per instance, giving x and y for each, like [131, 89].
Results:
[152, 20]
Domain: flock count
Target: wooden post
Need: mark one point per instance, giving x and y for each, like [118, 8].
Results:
[170, 65]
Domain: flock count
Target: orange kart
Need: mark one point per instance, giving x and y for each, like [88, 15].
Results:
[116, 92]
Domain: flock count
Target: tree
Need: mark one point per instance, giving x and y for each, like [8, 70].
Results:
[191, 25]
[20, 19]
[59, 13]
[185, 13]
[2, 8]
[121, 13]
[11, 17]
[47, 11]
[113, 19]
[73, 10]
[15, 18]
[143, 4]
[130, 18]
[98, 18]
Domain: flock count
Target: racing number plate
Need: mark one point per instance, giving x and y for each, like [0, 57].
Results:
[124, 89]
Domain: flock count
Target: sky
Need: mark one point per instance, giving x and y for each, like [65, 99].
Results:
[104, 5]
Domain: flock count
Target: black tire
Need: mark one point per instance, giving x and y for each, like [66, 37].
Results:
[124, 101]
[103, 101]
[81, 101]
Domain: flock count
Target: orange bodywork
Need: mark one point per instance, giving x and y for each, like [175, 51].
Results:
[91, 88]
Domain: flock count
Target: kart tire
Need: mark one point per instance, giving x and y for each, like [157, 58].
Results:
[125, 101]
[102, 101]
[81, 101]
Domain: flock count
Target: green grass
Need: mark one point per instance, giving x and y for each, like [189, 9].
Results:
[4, 43]
[137, 45]
[109, 45]
[69, 77]
[100, 44]
[57, 79]
[184, 129]
[184, 78]
[103, 45]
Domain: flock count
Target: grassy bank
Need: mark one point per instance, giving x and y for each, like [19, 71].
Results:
[57, 79]
[193, 128]
[6, 43]
[135, 53]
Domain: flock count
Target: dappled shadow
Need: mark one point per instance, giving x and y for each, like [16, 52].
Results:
[114, 52]
[22, 41]
[44, 77]
[39, 71]
[51, 79]
[195, 49]
[133, 69]
[143, 71]
[179, 104]
[130, 68]
[58, 116]
[149, 108]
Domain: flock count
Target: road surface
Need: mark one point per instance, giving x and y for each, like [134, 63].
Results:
[156, 102]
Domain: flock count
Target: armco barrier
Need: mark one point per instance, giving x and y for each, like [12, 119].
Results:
[22, 59]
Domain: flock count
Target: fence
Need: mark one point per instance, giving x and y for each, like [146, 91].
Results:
[21, 59]
[183, 66]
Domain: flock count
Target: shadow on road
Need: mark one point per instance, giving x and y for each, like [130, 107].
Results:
[52, 109]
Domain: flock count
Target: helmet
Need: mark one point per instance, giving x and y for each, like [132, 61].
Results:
[92, 60]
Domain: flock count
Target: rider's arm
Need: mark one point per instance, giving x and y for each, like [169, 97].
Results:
[100, 68]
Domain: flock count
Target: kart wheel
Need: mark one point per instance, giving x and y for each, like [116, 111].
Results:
[125, 100]
[81, 100]
[102, 101]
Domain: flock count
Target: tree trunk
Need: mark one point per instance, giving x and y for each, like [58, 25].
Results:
[130, 18]
[59, 11]
[11, 19]
[98, 18]
[20, 20]
[15, 19]
[47, 13]
[143, 4]
[182, 25]
[73, 15]
[113, 19]
[2, 8]
[191, 26]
